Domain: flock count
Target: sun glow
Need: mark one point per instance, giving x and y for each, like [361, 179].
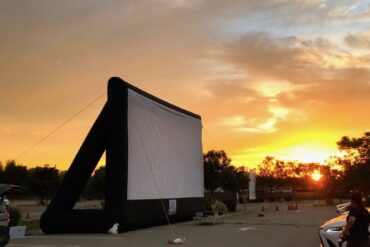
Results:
[289, 149]
[316, 176]
[308, 153]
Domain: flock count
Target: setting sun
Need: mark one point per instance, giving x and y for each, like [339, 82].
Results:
[316, 176]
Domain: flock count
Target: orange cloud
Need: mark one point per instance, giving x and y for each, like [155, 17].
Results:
[299, 76]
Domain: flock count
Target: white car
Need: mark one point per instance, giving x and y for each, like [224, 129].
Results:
[6, 201]
[330, 230]
[342, 208]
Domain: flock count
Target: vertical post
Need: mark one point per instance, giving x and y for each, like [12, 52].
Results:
[117, 152]
[252, 185]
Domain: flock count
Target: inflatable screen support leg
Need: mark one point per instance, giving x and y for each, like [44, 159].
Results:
[108, 135]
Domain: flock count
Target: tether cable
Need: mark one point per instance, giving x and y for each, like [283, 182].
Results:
[209, 137]
[155, 182]
[60, 126]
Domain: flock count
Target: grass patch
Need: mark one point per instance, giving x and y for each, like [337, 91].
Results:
[31, 225]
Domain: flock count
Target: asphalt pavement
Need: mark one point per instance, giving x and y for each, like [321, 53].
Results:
[280, 228]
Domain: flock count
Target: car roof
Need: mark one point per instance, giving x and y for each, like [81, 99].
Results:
[339, 220]
[6, 187]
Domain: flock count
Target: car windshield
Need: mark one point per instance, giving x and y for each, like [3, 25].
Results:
[2, 209]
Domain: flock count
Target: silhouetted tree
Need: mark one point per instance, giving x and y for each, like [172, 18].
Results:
[214, 164]
[266, 175]
[356, 148]
[95, 188]
[228, 179]
[356, 162]
[242, 178]
[43, 182]
[276, 173]
[219, 173]
[13, 173]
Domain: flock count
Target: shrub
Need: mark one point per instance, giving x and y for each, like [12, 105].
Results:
[231, 205]
[15, 215]
[219, 207]
[208, 201]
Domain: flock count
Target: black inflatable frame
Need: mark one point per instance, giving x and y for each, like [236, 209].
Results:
[110, 133]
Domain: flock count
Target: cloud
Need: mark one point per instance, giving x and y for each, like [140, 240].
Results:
[240, 124]
[236, 121]
[294, 64]
[290, 60]
[233, 104]
[294, 82]
[359, 40]
[253, 69]
[266, 127]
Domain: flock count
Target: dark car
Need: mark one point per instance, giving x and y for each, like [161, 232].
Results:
[4, 216]
[4, 224]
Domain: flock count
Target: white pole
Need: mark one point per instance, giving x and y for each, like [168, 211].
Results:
[252, 185]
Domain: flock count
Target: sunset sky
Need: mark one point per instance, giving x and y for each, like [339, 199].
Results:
[285, 78]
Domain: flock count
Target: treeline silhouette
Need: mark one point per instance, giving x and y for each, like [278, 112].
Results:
[340, 175]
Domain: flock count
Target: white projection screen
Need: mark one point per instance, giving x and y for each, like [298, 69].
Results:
[164, 151]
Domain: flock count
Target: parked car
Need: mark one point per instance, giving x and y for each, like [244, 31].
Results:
[329, 232]
[342, 208]
[4, 224]
[4, 215]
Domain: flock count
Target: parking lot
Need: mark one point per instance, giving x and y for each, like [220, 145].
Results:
[244, 228]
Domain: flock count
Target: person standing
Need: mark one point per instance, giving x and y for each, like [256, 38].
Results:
[357, 227]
